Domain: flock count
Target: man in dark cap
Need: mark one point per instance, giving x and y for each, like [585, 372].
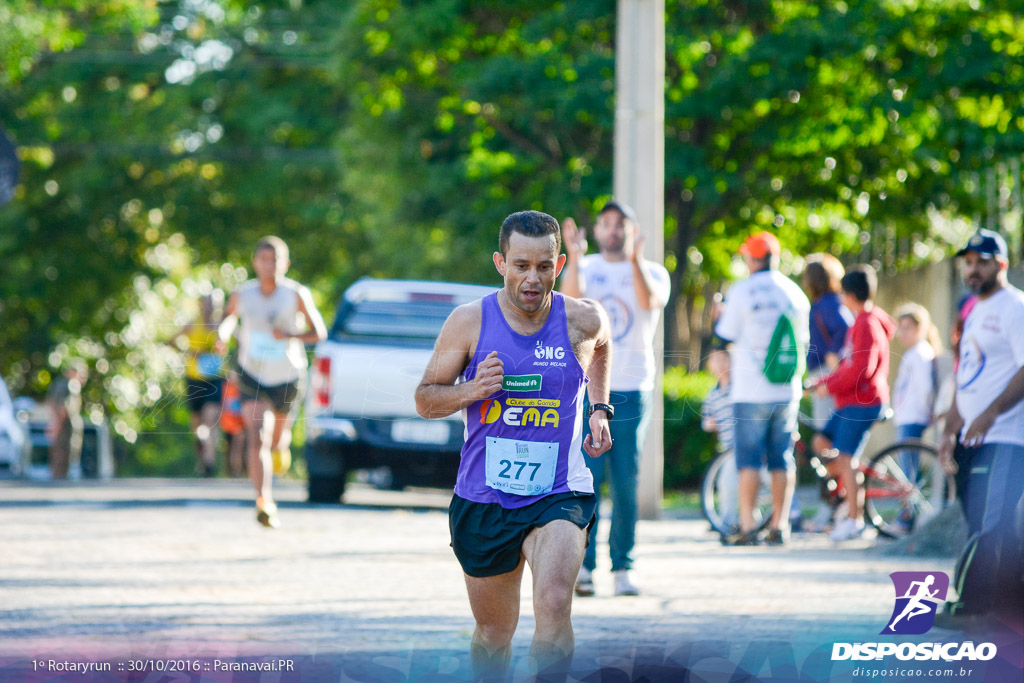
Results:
[985, 431]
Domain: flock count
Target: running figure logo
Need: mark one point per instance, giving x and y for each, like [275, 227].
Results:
[918, 596]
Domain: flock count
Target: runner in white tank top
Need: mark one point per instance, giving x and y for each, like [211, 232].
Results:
[272, 361]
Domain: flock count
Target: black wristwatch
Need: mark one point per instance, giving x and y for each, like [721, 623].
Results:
[605, 407]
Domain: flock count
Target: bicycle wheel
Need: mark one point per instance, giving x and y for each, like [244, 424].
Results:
[904, 487]
[715, 495]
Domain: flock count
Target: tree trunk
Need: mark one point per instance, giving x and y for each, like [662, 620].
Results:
[675, 311]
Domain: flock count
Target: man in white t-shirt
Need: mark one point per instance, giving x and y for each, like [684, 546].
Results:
[633, 291]
[987, 417]
[765, 402]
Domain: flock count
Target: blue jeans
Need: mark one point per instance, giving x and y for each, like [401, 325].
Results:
[909, 459]
[765, 433]
[989, 573]
[620, 466]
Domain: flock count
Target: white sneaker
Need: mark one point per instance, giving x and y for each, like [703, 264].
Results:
[847, 529]
[584, 583]
[623, 586]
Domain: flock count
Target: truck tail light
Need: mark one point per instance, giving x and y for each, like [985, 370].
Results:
[322, 382]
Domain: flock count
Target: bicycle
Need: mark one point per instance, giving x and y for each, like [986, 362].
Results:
[893, 503]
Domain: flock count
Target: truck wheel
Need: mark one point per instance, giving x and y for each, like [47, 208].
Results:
[395, 479]
[323, 489]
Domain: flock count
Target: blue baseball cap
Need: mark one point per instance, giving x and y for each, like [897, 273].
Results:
[987, 244]
[623, 208]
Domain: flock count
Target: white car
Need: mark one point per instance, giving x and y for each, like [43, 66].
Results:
[12, 435]
[360, 409]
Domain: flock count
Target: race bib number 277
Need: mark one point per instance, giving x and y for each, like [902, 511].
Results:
[523, 468]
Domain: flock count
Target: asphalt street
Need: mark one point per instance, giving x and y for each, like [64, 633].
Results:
[181, 568]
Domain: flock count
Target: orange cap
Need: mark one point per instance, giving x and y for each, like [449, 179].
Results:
[760, 245]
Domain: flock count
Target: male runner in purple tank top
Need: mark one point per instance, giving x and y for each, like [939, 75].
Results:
[516, 363]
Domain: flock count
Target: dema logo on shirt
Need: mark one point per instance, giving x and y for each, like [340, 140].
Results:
[521, 412]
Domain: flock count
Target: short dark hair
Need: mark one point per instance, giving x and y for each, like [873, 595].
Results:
[272, 242]
[860, 282]
[531, 224]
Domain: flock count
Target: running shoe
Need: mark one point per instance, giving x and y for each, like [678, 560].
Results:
[282, 461]
[776, 537]
[584, 583]
[266, 514]
[847, 530]
[623, 586]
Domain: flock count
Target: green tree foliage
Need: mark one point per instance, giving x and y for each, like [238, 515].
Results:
[200, 126]
[159, 140]
[32, 30]
[462, 113]
[819, 121]
[151, 160]
[838, 125]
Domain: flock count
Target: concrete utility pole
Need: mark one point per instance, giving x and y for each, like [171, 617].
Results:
[640, 182]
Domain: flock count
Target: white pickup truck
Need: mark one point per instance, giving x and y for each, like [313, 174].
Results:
[360, 410]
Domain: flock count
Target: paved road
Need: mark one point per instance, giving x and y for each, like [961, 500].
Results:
[181, 567]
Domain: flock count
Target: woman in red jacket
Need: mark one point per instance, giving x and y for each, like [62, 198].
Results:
[860, 387]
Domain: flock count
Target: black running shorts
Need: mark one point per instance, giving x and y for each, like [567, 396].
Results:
[199, 392]
[283, 398]
[488, 539]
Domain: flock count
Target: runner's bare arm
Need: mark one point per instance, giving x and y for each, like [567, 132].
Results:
[316, 330]
[591, 326]
[230, 320]
[438, 395]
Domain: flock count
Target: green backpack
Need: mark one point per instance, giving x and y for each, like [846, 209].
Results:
[786, 357]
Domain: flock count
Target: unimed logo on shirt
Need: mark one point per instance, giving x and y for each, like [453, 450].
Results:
[521, 382]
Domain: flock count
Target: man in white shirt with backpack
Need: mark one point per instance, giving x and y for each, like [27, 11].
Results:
[765, 322]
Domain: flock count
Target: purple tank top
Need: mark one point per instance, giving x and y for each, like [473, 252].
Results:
[524, 442]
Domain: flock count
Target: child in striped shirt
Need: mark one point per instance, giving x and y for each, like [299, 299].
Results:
[717, 416]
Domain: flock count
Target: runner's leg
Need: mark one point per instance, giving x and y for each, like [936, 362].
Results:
[494, 601]
[195, 420]
[554, 552]
[208, 434]
[254, 414]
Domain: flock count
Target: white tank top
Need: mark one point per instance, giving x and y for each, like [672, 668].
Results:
[271, 361]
